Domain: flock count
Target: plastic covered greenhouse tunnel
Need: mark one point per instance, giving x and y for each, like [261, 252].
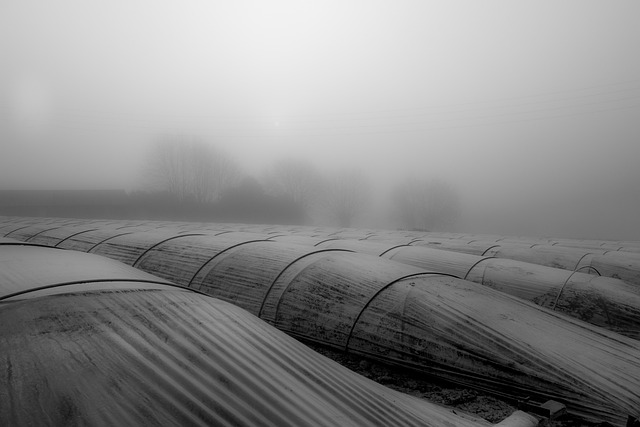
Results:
[426, 320]
[147, 352]
[603, 301]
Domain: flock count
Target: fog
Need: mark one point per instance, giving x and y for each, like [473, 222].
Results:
[531, 109]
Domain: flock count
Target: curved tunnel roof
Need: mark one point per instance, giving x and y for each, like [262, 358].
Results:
[148, 354]
[453, 328]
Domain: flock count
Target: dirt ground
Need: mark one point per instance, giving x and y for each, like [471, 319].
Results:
[420, 385]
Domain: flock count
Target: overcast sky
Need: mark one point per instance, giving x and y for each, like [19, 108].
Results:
[525, 106]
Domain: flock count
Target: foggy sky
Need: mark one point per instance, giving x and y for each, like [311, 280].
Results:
[530, 108]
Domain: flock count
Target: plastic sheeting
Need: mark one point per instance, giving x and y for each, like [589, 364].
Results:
[602, 301]
[619, 265]
[10, 241]
[619, 260]
[54, 236]
[616, 264]
[622, 246]
[472, 247]
[137, 355]
[453, 328]
[607, 245]
[33, 267]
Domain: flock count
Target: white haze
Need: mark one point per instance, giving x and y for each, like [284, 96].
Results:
[530, 108]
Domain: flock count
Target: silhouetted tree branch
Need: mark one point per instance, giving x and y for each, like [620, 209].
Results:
[296, 180]
[347, 195]
[425, 204]
[189, 168]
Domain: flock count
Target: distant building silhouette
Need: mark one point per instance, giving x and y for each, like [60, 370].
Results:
[111, 203]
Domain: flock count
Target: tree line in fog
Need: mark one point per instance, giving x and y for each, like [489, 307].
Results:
[195, 178]
[187, 178]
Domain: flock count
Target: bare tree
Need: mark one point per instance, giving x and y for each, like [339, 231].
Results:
[425, 204]
[406, 203]
[295, 179]
[347, 195]
[190, 168]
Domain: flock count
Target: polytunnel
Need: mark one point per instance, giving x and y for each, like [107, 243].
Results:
[561, 253]
[616, 264]
[108, 351]
[608, 245]
[35, 267]
[619, 265]
[453, 245]
[400, 314]
[86, 241]
[602, 301]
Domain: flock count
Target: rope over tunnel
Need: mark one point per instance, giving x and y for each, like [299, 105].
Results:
[475, 264]
[28, 244]
[392, 248]
[106, 240]
[73, 235]
[42, 231]
[489, 248]
[588, 267]
[17, 229]
[178, 236]
[379, 291]
[275, 315]
[87, 281]
[220, 253]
